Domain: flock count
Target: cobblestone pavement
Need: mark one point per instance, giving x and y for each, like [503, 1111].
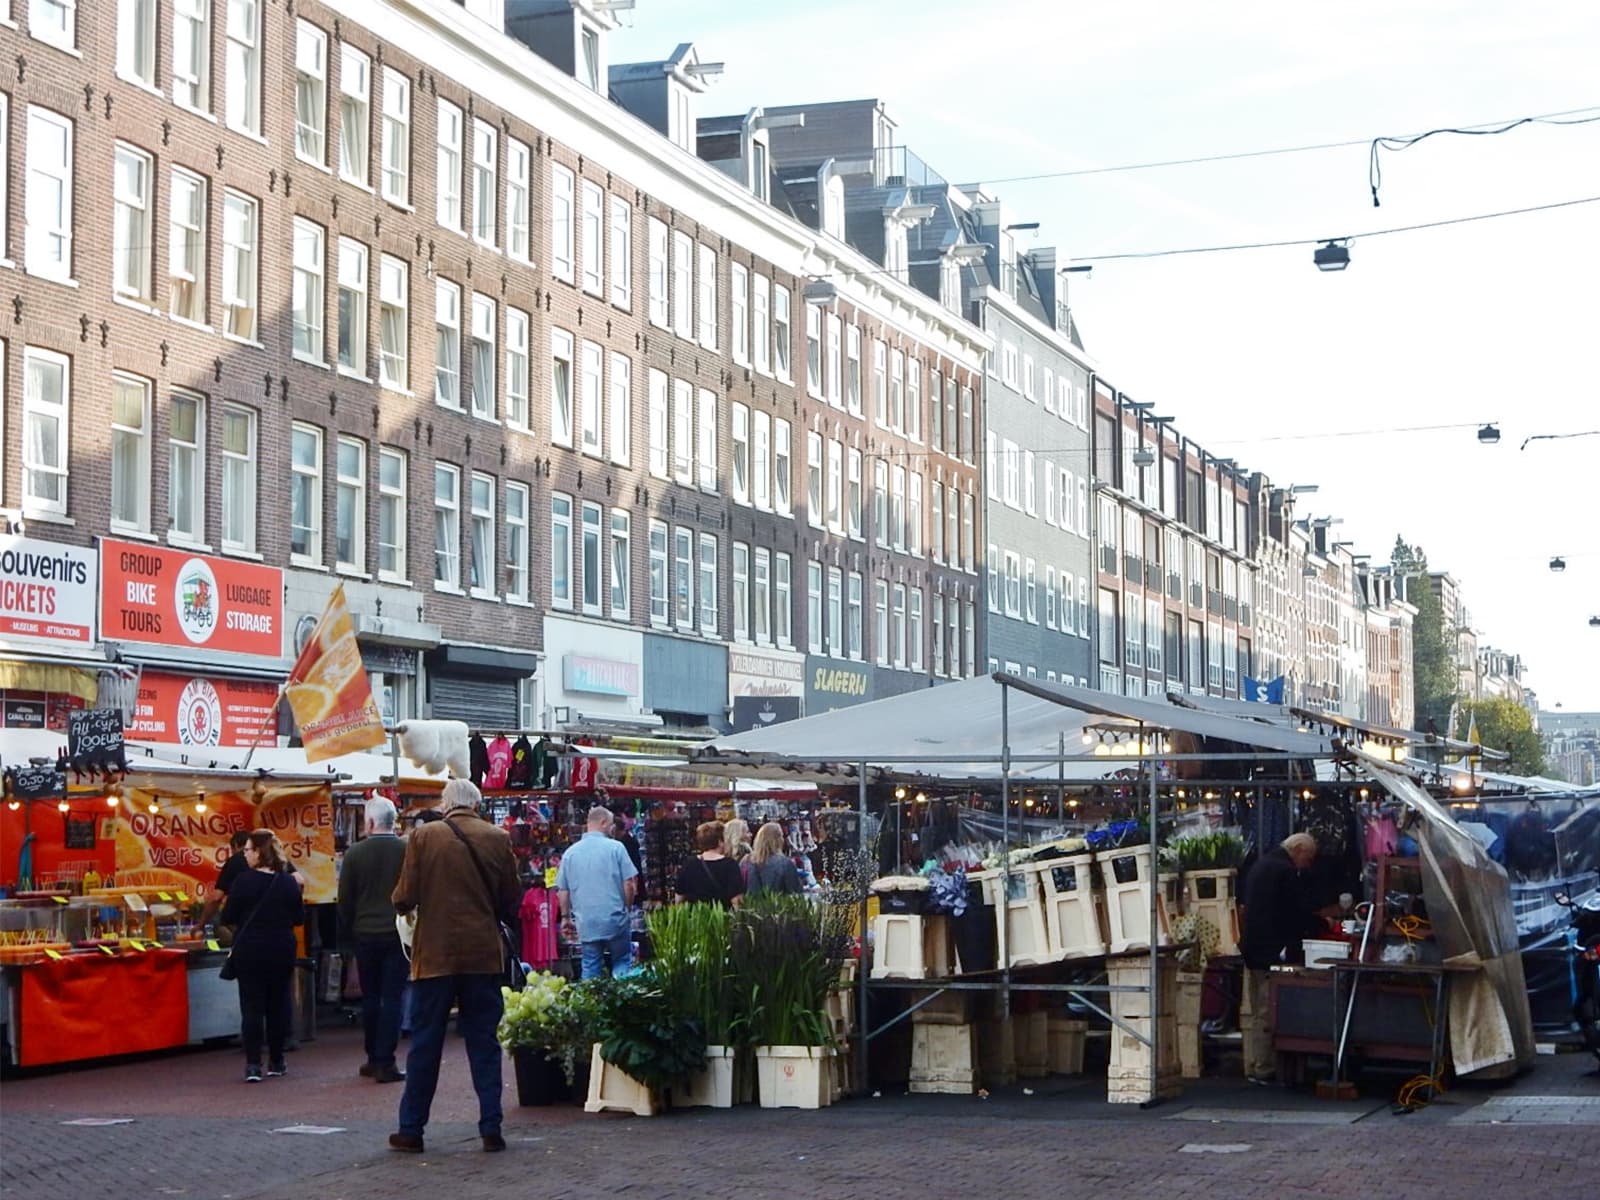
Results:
[197, 1131]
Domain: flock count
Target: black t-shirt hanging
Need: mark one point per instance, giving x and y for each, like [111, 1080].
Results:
[479, 750]
[521, 774]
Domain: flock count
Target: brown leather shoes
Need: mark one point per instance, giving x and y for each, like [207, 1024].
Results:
[493, 1142]
[406, 1143]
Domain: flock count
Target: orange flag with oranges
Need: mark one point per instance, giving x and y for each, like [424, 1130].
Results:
[328, 690]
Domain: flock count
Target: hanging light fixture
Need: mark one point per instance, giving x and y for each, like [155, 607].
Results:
[1594, 622]
[1332, 255]
[200, 804]
[13, 805]
[111, 801]
[1489, 434]
[63, 806]
[154, 808]
[1558, 564]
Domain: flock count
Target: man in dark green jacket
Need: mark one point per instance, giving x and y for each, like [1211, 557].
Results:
[366, 928]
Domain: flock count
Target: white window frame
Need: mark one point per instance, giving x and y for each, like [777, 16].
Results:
[393, 500]
[835, 612]
[136, 43]
[310, 94]
[242, 69]
[684, 568]
[855, 505]
[833, 365]
[814, 351]
[192, 55]
[519, 200]
[591, 405]
[620, 557]
[709, 592]
[657, 274]
[914, 515]
[394, 313]
[683, 432]
[483, 551]
[881, 652]
[897, 505]
[706, 282]
[814, 479]
[761, 596]
[593, 225]
[660, 450]
[519, 514]
[835, 485]
[855, 631]
[309, 302]
[241, 276]
[620, 391]
[814, 632]
[782, 334]
[682, 284]
[914, 627]
[880, 502]
[621, 261]
[187, 246]
[563, 383]
[186, 465]
[394, 165]
[760, 459]
[913, 425]
[447, 345]
[309, 476]
[138, 488]
[483, 398]
[355, 116]
[782, 456]
[897, 391]
[880, 382]
[739, 313]
[783, 599]
[706, 445]
[353, 298]
[485, 183]
[739, 434]
[239, 501]
[761, 322]
[133, 208]
[561, 551]
[660, 571]
[447, 520]
[64, 38]
[354, 485]
[852, 370]
[449, 148]
[739, 592]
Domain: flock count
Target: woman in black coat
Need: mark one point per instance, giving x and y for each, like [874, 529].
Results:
[264, 906]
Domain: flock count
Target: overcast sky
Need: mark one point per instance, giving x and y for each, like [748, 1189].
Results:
[1497, 320]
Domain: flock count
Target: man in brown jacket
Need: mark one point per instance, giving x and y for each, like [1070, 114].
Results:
[460, 877]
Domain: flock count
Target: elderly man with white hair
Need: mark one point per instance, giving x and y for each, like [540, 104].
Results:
[367, 877]
[460, 878]
[1278, 913]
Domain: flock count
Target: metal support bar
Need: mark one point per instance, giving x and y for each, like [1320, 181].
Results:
[898, 1017]
[863, 962]
[1131, 1032]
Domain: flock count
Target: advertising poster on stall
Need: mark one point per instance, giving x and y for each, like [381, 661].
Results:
[328, 689]
[198, 710]
[180, 848]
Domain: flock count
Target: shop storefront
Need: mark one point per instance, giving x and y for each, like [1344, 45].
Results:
[765, 687]
[832, 684]
[686, 682]
[596, 673]
[480, 685]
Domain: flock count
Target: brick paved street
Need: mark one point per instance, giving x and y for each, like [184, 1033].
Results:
[199, 1132]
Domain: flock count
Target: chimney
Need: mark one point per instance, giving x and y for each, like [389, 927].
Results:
[568, 34]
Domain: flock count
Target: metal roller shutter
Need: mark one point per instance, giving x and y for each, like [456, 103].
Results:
[481, 703]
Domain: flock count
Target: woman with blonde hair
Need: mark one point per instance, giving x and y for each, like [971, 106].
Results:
[736, 840]
[769, 869]
[263, 906]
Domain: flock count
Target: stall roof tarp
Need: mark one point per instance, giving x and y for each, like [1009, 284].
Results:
[963, 718]
[1163, 714]
[949, 720]
[162, 763]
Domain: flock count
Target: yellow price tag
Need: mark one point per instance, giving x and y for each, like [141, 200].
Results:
[211, 944]
[136, 944]
[163, 895]
[108, 950]
[55, 954]
[155, 945]
[183, 897]
[59, 899]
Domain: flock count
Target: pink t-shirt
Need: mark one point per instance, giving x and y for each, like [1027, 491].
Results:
[499, 763]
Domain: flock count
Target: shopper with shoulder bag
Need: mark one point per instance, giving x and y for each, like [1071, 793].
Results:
[460, 877]
[264, 905]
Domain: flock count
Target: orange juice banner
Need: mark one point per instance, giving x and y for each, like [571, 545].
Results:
[179, 849]
[328, 689]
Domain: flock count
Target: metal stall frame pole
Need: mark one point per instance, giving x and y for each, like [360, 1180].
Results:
[1061, 776]
[1155, 957]
[862, 962]
[1005, 865]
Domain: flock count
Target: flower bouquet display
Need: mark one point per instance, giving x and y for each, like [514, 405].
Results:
[547, 1029]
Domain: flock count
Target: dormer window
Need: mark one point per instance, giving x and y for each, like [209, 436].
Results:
[589, 57]
[760, 172]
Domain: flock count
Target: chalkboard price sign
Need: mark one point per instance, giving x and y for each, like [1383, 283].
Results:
[37, 783]
[94, 736]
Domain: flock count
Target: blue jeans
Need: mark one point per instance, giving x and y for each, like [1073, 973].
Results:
[481, 1005]
[620, 947]
[383, 967]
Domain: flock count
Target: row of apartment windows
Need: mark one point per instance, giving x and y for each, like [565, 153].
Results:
[835, 376]
[1209, 656]
[1216, 582]
[1014, 476]
[1014, 591]
[836, 623]
[1059, 394]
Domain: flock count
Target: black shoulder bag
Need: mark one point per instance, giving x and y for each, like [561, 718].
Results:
[228, 970]
[510, 952]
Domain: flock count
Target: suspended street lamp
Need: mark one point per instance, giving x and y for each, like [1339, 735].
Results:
[1332, 255]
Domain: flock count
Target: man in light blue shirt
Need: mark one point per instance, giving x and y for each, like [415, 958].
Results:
[595, 885]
